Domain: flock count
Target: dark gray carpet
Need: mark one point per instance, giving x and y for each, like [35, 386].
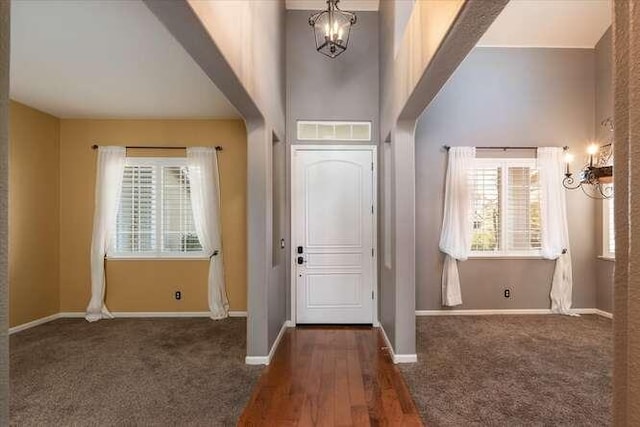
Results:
[130, 372]
[512, 370]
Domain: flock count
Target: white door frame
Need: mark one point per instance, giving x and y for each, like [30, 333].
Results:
[313, 147]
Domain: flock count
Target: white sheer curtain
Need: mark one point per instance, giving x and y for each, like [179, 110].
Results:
[455, 240]
[205, 201]
[555, 229]
[111, 161]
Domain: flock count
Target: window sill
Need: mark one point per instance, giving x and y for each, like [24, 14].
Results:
[505, 257]
[175, 258]
[606, 258]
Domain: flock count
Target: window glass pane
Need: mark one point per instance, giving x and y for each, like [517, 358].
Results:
[343, 132]
[325, 131]
[178, 230]
[135, 224]
[486, 183]
[523, 209]
[154, 214]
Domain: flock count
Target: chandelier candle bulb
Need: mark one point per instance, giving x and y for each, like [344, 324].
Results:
[568, 158]
[593, 149]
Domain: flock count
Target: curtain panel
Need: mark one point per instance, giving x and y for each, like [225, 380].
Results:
[111, 162]
[205, 201]
[455, 240]
[555, 228]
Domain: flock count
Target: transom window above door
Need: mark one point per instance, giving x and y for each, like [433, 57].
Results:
[333, 131]
[154, 218]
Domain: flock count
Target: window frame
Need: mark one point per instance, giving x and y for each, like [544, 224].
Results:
[158, 162]
[607, 205]
[504, 164]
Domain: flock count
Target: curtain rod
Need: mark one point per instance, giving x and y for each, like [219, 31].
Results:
[95, 147]
[505, 148]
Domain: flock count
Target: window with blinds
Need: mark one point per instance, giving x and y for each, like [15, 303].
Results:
[506, 208]
[154, 214]
[608, 228]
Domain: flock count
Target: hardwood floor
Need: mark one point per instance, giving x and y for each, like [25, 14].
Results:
[329, 376]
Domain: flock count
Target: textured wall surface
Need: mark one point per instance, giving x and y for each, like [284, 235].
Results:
[4, 232]
[506, 97]
[34, 214]
[626, 318]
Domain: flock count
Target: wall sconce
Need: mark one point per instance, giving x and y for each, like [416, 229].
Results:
[596, 176]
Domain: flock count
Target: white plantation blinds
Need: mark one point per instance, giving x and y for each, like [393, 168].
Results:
[506, 207]
[136, 221]
[609, 241]
[154, 215]
[178, 231]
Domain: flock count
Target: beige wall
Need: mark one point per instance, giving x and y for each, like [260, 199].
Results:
[149, 285]
[33, 214]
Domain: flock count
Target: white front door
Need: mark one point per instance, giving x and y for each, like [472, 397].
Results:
[333, 234]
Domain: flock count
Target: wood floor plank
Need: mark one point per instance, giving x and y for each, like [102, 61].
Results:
[331, 376]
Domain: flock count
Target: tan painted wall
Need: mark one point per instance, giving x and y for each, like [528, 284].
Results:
[149, 285]
[33, 214]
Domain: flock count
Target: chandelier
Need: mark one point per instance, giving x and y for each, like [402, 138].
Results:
[596, 176]
[331, 28]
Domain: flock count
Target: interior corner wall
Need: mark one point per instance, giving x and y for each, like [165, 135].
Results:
[604, 109]
[278, 284]
[506, 97]
[34, 214]
[386, 286]
[149, 285]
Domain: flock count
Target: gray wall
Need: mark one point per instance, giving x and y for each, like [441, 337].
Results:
[604, 109]
[321, 88]
[386, 280]
[513, 97]
[278, 285]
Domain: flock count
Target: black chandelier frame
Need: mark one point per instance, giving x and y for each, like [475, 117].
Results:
[330, 44]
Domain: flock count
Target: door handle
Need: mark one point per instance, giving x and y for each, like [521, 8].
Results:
[300, 260]
[300, 249]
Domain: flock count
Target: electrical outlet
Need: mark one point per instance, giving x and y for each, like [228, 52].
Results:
[178, 295]
[507, 293]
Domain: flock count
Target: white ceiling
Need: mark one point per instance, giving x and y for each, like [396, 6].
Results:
[105, 59]
[550, 23]
[349, 5]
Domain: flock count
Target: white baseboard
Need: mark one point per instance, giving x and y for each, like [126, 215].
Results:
[237, 314]
[156, 314]
[119, 314]
[256, 360]
[603, 313]
[34, 323]
[265, 360]
[72, 315]
[397, 358]
[507, 311]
